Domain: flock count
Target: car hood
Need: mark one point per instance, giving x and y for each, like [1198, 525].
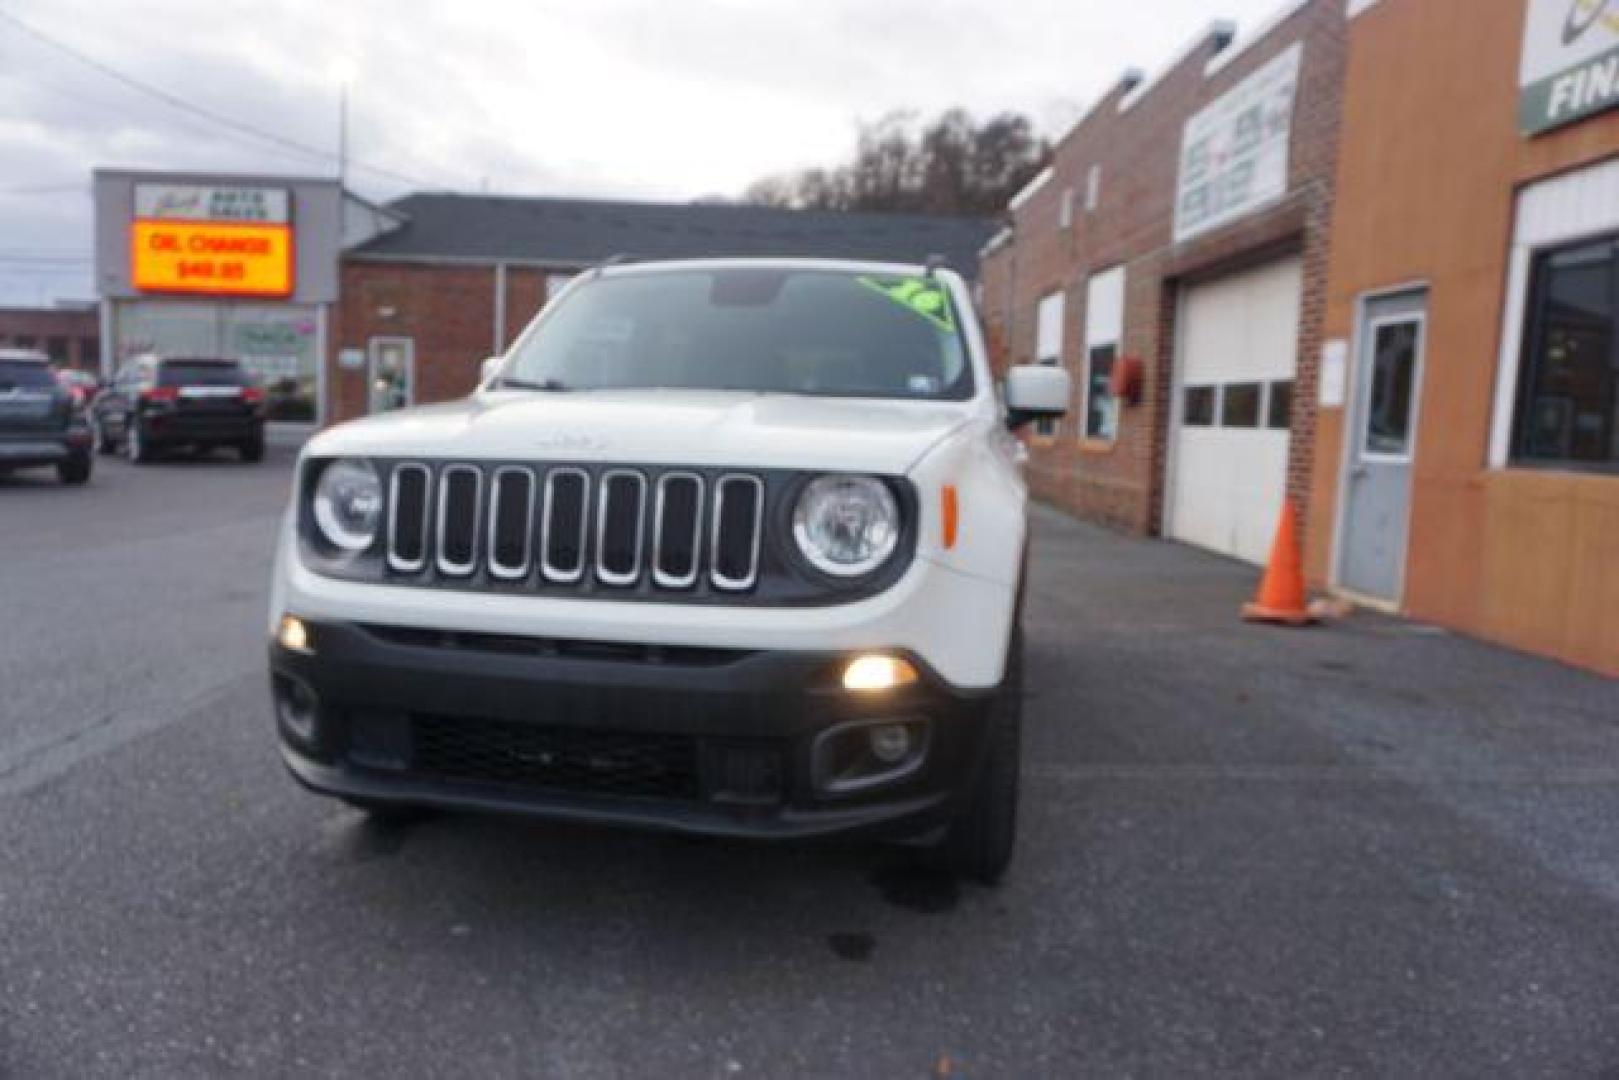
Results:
[659, 427]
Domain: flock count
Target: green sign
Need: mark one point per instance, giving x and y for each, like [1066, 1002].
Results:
[1570, 65]
[920, 295]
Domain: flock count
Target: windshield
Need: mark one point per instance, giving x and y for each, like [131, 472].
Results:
[767, 330]
[200, 373]
[25, 375]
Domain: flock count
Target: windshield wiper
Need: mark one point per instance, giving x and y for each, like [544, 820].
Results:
[548, 385]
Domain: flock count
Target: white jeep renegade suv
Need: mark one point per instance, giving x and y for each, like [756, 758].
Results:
[733, 547]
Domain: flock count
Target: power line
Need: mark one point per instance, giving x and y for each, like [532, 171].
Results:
[44, 189]
[187, 123]
[174, 101]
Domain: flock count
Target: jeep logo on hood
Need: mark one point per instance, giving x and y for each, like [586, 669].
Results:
[570, 443]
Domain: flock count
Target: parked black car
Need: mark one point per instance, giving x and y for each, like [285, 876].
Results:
[41, 421]
[155, 403]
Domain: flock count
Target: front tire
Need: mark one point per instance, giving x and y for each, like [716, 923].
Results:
[75, 470]
[251, 450]
[979, 843]
[99, 441]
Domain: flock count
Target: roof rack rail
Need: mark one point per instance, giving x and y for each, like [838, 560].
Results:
[619, 258]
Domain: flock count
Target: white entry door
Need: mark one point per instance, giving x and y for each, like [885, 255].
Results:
[1377, 490]
[1236, 354]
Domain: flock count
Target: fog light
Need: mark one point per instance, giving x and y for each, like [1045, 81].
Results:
[877, 673]
[294, 635]
[890, 743]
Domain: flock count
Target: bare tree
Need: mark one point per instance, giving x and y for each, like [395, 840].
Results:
[950, 165]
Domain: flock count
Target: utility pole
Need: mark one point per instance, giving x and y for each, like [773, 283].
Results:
[342, 135]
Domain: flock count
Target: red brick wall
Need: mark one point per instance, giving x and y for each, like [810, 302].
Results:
[71, 337]
[1121, 482]
[525, 295]
[448, 311]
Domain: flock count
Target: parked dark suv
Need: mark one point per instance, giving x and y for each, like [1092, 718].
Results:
[157, 403]
[41, 422]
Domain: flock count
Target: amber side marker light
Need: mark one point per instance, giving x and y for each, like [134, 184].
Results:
[950, 510]
[871, 673]
[294, 635]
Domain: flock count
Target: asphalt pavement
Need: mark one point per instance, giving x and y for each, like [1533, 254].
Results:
[1365, 849]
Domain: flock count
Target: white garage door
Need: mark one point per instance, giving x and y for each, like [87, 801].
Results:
[1236, 353]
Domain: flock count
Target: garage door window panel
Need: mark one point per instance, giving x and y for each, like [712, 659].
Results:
[1279, 405]
[1570, 375]
[1200, 404]
[1239, 405]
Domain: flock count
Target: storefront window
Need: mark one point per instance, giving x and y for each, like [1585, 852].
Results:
[279, 344]
[1570, 372]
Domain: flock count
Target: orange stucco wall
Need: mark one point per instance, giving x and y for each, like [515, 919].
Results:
[1428, 171]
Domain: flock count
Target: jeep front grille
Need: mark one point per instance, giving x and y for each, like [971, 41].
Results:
[620, 527]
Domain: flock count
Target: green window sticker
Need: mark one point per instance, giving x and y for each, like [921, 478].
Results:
[918, 295]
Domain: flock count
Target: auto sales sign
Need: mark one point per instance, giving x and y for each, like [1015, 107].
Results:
[1570, 67]
[221, 241]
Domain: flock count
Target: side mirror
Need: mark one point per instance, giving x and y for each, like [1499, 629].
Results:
[486, 370]
[1035, 392]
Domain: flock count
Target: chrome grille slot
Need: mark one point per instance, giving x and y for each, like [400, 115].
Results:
[734, 542]
[677, 530]
[460, 491]
[408, 489]
[620, 524]
[511, 518]
[565, 516]
[627, 531]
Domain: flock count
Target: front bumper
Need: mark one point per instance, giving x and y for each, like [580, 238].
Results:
[726, 742]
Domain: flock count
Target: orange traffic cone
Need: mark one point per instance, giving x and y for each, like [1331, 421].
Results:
[1281, 590]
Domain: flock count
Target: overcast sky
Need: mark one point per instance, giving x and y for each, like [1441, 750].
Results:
[657, 99]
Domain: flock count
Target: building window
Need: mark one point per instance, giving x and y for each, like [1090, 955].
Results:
[56, 349]
[1570, 371]
[1239, 405]
[1048, 346]
[1101, 407]
[1065, 211]
[1093, 189]
[90, 352]
[1198, 406]
[1104, 329]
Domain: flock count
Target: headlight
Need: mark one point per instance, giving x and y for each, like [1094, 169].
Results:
[348, 504]
[846, 526]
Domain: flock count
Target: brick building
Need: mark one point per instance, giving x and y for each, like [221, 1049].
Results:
[69, 334]
[1467, 466]
[1176, 251]
[446, 280]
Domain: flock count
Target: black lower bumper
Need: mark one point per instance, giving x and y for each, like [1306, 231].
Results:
[161, 428]
[725, 742]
